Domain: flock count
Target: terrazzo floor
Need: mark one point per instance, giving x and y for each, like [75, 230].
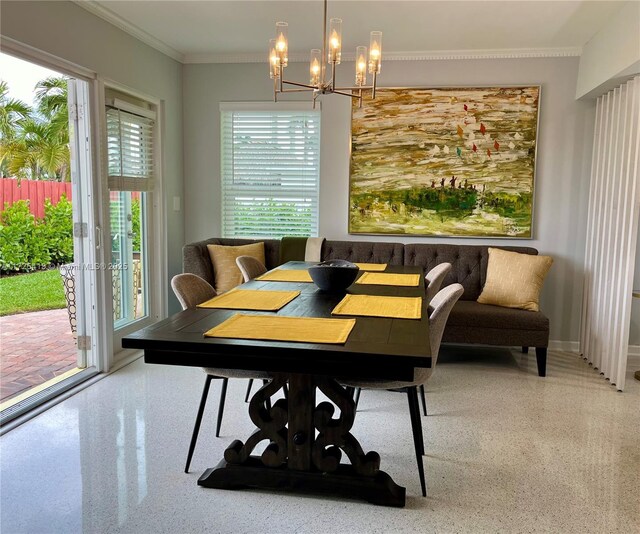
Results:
[506, 451]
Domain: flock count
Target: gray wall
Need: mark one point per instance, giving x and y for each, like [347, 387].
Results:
[71, 33]
[564, 148]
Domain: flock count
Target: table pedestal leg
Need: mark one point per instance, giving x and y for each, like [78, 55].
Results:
[298, 459]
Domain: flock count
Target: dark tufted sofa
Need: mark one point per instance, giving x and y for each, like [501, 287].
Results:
[469, 322]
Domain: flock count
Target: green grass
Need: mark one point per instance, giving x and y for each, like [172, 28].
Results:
[37, 291]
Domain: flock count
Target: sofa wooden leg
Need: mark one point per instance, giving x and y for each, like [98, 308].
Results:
[541, 357]
[525, 350]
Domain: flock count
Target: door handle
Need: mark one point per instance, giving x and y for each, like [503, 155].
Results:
[98, 238]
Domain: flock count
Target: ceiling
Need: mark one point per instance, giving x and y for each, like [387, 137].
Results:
[195, 31]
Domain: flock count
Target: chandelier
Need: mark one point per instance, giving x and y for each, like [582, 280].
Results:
[329, 56]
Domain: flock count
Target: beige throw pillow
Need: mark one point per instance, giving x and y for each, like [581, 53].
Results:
[226, 271]
[514, 280]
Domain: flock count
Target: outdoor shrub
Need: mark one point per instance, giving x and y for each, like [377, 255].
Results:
[135, 223]
[57, 229]
[22, 244]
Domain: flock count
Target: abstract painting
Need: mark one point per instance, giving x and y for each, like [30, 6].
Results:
[444, 162]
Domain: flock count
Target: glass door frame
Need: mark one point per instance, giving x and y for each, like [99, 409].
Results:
[155, 250]
[90, 315]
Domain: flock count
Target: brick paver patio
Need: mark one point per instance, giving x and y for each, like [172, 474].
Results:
[34, 347]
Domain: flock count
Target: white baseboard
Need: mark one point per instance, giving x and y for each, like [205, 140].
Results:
[574, 346]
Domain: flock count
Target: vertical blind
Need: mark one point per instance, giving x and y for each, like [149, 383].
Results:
[129, 151]
[614, 212]
[270, 173]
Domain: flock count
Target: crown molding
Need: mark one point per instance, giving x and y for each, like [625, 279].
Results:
[96, 9]
[429, 55]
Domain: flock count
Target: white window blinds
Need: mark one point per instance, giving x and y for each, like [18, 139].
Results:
[129, 151]
[270, 173]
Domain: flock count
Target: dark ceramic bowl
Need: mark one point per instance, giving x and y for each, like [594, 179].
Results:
[334, 275]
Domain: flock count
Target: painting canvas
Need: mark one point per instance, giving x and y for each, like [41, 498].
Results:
[444, 161]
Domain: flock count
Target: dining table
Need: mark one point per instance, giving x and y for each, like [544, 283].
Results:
[308, 433]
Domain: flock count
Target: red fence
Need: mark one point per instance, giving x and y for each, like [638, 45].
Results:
[34, 191]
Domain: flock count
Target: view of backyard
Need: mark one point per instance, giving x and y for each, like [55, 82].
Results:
[37, 342]
[38, 305]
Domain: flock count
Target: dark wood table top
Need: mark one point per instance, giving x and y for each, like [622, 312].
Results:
[376, 348]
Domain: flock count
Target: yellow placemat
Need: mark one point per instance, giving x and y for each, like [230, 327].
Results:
[279, 328]
[390, 279]
[375, 306]
[286, 275]
[372, 266]
[250, 299]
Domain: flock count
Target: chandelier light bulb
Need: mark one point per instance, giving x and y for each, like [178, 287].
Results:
[315, 67]
[335, 41]
[274, 62]
[361, 65]
[282, 43]
[375, 52]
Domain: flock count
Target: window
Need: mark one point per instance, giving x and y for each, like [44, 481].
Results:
[129, 147]
[270, 171]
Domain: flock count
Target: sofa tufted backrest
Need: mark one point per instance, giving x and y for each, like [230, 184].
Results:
[468, 263]
[363, 251]
[196, 259]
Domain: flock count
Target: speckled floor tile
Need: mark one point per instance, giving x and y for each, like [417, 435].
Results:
[506, 451]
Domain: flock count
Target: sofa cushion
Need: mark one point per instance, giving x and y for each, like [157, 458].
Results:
[226, 272]
[196, 259]
[468, 263]
[471, 313]
[514, 280]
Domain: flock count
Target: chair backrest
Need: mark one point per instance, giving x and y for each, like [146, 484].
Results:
[440, 308]
[191, 290]
[434, 279]
[250, 267]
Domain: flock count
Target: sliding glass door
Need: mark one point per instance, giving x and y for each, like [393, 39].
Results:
[132, 148]
[50, 269]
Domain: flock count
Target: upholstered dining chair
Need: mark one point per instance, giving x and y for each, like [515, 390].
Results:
[192, 290]
[433, 280]
[250, 267]
[440, 308]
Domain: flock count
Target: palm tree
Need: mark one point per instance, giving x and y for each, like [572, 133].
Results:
[12, 112]
[37, 144]
[51, 99]
[38, 153]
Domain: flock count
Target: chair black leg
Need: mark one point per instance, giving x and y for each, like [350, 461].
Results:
[223, 396]
[416, 427]
[424, 400]
[357, 399]
[246, 397]
[541, 358]
[285, 390]
[525, 350]
[196, 427]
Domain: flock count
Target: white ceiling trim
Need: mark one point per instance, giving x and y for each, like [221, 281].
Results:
[428, 55]
[93, 7]
[506, 53]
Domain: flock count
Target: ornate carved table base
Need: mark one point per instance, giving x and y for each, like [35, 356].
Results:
[296, 458]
